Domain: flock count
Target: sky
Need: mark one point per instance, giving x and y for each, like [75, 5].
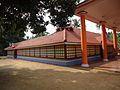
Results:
[90, 26]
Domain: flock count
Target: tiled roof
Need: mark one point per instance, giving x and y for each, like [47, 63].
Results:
[60, 36]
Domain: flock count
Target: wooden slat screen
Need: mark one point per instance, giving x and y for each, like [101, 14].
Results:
[19, 52]
[70, 51]
[27, 52]
[31, 52]
[10, 52]
[23, 52]
[78, 51]
[93, 50]
[50, 52]
[110, 49]
[37, 52]
[43, 52]
[97, 50]
[59, 51]
[73, 51]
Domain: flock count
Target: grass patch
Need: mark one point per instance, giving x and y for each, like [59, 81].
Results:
[3, 57]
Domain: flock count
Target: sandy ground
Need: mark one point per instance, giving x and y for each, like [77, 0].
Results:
[27, 75]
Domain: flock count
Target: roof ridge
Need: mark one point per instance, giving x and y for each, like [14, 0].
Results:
[65, 35]
[86, 31]
[37, 37]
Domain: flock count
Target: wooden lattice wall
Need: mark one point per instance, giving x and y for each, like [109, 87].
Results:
[10, 52]
[110, 49]
[65, 51]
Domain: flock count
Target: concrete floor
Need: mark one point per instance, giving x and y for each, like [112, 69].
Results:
[111, 65]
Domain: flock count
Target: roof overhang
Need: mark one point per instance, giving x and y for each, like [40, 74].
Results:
[59, 43]
[101, 10]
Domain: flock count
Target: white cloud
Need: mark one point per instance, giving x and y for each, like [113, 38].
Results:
[50, 28]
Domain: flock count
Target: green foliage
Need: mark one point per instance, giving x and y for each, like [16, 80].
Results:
[40, 34]
[60, 11]
[32, 12]
[110, 36]
[13, 35]
[15, 15]
[98, 26]
[76, 23]
[118, 37]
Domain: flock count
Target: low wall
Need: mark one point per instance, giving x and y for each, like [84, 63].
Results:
[10, 56]
[111, 56]
[62, 62]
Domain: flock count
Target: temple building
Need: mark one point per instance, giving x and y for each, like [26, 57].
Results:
[70, 46]
[106, 13]
[61, 48]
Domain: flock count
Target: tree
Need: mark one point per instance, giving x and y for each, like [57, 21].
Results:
[118, 38]
[109, 35]
[40, 34]
[17, 15]
[98, 26]
[31, 12]
[13, 35]
[75, 23]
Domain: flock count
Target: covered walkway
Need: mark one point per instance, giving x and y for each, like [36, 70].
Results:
[105, 13]
[112, 65]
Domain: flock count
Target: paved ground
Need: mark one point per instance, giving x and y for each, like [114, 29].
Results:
[26, 75]
[111, 65]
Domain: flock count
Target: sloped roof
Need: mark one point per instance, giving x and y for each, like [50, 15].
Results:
[72, 36]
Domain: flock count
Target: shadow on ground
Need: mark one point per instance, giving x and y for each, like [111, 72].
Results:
[49, 79]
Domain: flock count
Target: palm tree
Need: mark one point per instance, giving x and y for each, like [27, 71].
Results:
[75, 23]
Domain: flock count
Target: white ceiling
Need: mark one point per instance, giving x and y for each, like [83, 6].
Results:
[102, 10]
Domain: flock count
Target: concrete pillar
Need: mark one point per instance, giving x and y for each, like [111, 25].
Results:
[115, 42]
[83, 40]
[104, 41]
